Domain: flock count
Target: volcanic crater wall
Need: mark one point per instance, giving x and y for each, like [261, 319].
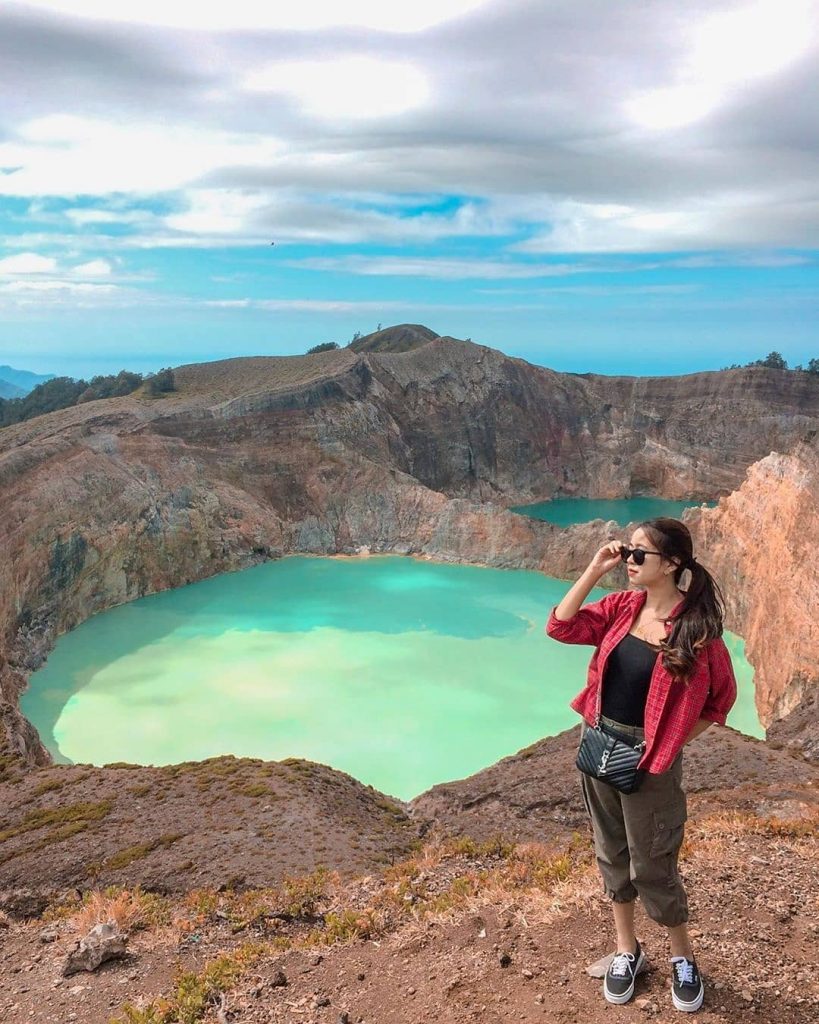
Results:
[415, 451]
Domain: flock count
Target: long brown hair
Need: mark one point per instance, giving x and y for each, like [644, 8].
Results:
[701, 617]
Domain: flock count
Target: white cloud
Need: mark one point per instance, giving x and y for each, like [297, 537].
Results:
[531, 114]
[27, 263]
[94, 268]
[93, 215]
[44, 295]
[728, 50]
[69, 155]
[306, 305]
[218, 211]
[395, 16]
[354, 87]
[448, 269]
[65, 286]
[723, 220]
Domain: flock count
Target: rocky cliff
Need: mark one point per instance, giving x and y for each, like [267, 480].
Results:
[412, 444]
[761, 543]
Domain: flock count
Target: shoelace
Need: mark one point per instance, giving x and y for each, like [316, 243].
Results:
[685, 971]
[621, 964]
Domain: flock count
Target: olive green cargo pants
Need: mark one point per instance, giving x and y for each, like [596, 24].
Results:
[637, 838]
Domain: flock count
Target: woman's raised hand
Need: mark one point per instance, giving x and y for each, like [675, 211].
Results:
[606, 558]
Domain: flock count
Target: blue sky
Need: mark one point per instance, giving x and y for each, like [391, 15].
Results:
[595, 186]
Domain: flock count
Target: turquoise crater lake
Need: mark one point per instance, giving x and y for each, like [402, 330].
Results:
[400, 671]
[568, 511]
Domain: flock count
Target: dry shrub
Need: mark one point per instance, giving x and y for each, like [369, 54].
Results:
[127, 909]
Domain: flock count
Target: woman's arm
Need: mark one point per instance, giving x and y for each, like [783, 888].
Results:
[570, 623]
[699, 727]
[722, 692]
[574, 598]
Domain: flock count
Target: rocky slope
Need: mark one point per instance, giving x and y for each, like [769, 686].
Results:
[492, 917]
[410, 451]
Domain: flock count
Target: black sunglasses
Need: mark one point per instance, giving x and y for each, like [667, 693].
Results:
[639, 554]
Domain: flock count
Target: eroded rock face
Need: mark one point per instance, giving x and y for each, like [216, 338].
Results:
[761, 543]
[413, 452]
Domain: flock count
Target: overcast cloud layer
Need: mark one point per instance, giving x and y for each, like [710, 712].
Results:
[454, 141]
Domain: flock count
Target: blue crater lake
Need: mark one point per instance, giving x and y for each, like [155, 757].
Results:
[400, 671]
[568, 511]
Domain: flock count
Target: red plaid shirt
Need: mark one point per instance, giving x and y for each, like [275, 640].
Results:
[672, 708]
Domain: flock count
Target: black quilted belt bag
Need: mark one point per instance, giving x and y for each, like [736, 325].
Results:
[611, 757]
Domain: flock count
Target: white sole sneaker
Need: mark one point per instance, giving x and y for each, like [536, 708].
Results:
[689, 1007]
[623, 997]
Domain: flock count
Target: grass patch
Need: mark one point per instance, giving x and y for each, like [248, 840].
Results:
[9, 767]
[44, 816]
[131, 909]
[255, 789]
[393, 809]
[136, 852]
[48, 786]
[195, 991]
[346, 925]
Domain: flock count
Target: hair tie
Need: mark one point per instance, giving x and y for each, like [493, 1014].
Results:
[692, 562]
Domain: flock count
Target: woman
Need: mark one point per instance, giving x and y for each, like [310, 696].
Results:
[668, 677]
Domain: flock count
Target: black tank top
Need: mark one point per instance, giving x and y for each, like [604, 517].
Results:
[625, 684]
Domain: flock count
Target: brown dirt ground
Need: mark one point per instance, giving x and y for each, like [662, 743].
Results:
[753, 888]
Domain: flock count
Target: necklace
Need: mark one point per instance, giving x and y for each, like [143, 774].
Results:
[653, 643]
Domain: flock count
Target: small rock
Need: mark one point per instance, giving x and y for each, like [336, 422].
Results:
[504, 959]
[361, 976]
[343, 1017]
[482, 933]
[103, 942]
[411, 990]
[599, 967]
[539, 997]
[527, 973]
[746, 995]
[278, 979]
[76, 989]
[48, 935]
[322, 1001]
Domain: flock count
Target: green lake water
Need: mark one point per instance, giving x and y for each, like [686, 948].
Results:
[567, 511]
[399, 671]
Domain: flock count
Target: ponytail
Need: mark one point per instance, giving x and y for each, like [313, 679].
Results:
[701, 617]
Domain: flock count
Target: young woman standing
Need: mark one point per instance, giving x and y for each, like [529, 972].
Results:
[662, 674]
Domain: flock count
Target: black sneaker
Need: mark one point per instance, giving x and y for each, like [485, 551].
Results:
[618, 984]
[687, 989]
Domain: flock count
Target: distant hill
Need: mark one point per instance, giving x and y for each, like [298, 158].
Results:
[10, 390]
[22, 380]
[401, 338]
